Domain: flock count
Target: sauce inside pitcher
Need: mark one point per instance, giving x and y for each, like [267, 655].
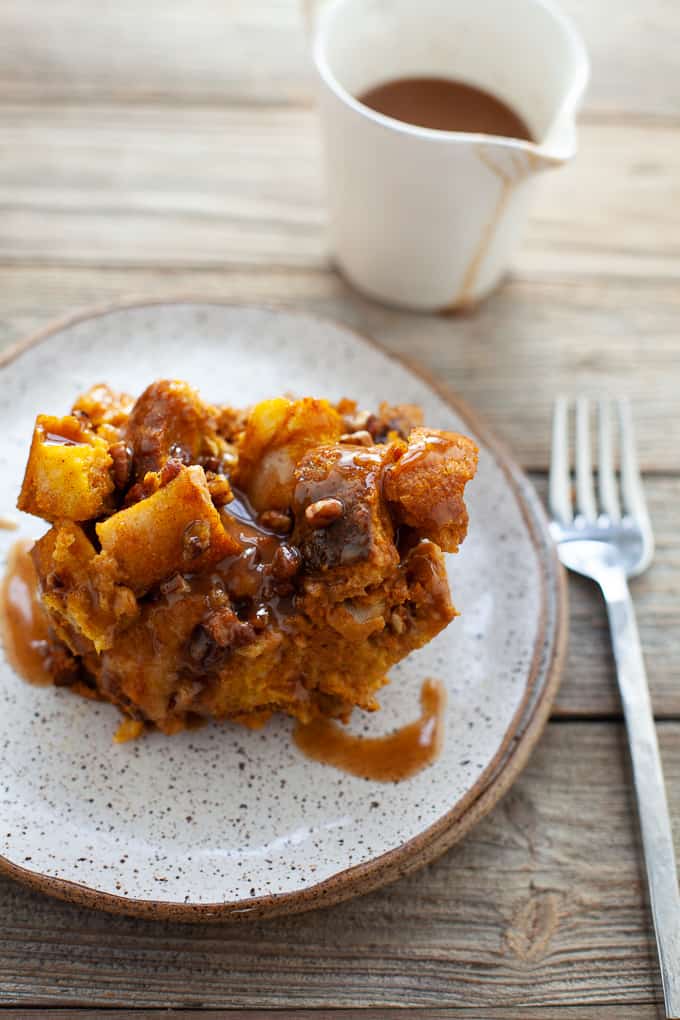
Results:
[444, 104]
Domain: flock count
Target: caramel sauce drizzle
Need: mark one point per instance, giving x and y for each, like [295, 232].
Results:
[23, 625]
[387, 759]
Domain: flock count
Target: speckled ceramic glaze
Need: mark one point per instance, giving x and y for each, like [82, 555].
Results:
[224, 820]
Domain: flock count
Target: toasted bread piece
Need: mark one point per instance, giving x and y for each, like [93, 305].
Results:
[68, 472]
[81, 589]
[425, 487]
[175, 530]
[170, 421]
[278, 432]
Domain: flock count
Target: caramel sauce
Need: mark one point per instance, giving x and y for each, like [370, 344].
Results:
[246, 577]
[387, 759]
[22, 621]
[352, 474]
[443, 104]
[240, 520]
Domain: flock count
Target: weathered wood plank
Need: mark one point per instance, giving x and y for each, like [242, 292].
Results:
[528, 343]
[208, 51]
[149, 186]
[633, 1012]
[542, 905]
[163, 50]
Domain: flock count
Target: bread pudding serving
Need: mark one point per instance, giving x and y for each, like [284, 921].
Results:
[210, 562]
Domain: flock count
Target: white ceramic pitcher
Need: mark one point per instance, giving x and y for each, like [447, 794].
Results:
[429, 219]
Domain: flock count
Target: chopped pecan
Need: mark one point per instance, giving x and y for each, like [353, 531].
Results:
[196, 539]
[170, 470]
[324, 512]
[211, 463]
[227, 631]
[286, 562]
[360, 438]
[220, 633]
[219, 489]
[121, 471]
[277, 520]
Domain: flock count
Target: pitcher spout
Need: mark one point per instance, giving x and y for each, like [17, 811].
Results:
[559, 145]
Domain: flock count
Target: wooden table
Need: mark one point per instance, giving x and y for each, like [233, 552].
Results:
[171, 146]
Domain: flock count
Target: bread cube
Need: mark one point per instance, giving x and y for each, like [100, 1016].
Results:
[277, 435]
[425, 488]
[68, 472]
[169, 420]
[175, 530]
[80, 589]
[354, 549]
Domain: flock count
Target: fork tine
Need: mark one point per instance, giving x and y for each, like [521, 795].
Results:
[585, 490]
[634, 502]
[560, 483]
[609, 497]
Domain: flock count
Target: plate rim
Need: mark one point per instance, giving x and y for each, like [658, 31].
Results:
[495, 780]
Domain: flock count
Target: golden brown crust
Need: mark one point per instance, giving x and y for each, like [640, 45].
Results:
[425, 487]
[171, 421]
[175, 530]
[68, 471]
[277, 434]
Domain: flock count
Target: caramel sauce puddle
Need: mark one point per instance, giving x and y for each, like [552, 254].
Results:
[387, 759]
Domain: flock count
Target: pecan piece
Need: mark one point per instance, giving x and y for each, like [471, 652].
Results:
[286, 562]
[196, 539]
[360, 438]
[324, 512]
[277, 520]
[227, 631]
[121, 471]
[169, 471]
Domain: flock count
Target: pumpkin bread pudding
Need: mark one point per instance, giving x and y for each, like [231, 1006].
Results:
[210, 562]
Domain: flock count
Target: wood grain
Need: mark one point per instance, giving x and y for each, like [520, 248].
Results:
[542, 904]
[528, 343]
[633, 1012]
[173, 51]
[121, 186]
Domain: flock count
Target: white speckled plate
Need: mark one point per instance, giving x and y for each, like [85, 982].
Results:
[223, 820]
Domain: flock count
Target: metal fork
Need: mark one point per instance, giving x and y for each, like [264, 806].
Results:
[608, 538]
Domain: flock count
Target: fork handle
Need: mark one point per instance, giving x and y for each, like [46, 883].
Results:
[655, 823]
